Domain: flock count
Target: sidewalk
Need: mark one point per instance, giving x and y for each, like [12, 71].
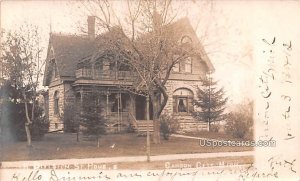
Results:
[192, 137]
[17, 164]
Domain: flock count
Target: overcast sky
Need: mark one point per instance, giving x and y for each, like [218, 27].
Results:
[234, 28]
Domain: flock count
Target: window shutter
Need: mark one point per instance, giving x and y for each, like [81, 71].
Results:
[190, 104]
[174, 104]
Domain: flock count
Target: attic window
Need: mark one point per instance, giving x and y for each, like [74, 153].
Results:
[188, 65]
[184, 66]
[55, 72]
[186, 39]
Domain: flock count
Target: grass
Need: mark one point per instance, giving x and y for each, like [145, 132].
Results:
[185, 163]
[65, 146]
[214, 135]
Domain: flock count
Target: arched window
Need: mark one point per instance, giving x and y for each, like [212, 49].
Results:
[186, 39]
[56, 101]
[183, 101]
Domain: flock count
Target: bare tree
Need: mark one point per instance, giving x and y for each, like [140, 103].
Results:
[23, 65]
[148, 41]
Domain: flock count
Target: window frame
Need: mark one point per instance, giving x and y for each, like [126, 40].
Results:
[181, 66]
[56, 103]
[188, 99]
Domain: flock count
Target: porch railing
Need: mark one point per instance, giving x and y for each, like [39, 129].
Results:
[104, 74]
[141, 126]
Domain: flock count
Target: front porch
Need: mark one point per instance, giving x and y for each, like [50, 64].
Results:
[122, 111]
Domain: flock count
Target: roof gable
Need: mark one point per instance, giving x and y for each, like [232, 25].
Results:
[69, 50]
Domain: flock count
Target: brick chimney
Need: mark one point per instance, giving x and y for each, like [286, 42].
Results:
[157, 21]
[91, 26]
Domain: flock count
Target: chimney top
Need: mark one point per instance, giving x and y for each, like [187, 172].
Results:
[91, 26]
[157, 20]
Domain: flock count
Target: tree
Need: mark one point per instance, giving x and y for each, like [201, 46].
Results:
[147, 44]
[211, 102]
[91, 117]
[21, 52]
[240, 120]
[13, 116]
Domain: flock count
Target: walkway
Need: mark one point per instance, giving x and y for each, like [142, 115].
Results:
[17, 164]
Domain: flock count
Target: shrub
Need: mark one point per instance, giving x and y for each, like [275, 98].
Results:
[91, 117]
[214, 128]
[239, 125]
[71, 118]
[13, 118]
[168, 125]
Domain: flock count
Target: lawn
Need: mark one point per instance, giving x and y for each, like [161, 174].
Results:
[65, 146]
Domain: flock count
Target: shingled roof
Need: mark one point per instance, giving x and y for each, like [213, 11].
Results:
[69, 50]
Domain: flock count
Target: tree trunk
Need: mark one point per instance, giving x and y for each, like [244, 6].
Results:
[77, 135]
[98, 141]
[156, 130]
[28, 134]
[156, 121]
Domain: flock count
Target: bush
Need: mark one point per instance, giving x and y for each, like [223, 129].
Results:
[239, 125]
[214, 128]
[13, 117]
[168, 125]
[71, 118]
[91, 117]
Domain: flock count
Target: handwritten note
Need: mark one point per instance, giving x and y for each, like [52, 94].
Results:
[275, 106]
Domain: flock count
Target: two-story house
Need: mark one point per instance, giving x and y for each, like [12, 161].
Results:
[77, 64]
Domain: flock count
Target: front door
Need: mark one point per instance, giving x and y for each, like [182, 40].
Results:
[140, 108]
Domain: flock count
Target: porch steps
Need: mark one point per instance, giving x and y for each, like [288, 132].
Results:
[189, 124]
[141, 126]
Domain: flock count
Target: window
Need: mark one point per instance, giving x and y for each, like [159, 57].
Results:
[56, 103]
[188, 65]
[55, 72]
[184, 66]
[119, 102]
[183, 101]
[186, 39]
[176, 67]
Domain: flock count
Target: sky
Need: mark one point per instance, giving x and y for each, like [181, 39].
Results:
[230, 30]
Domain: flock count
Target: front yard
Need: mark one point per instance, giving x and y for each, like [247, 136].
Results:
[65, 146]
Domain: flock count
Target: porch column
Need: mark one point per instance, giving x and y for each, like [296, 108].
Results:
[121, 108]
[118, 99]
[148, 128]
[81, 101]
[107, 106]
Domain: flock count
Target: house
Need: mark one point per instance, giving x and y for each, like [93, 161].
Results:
[77, 64]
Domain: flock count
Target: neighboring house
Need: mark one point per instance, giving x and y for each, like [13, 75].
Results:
[76, 64]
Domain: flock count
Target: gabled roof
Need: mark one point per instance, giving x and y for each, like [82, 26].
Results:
[183, 27]
[177, 30]
[69, 50]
